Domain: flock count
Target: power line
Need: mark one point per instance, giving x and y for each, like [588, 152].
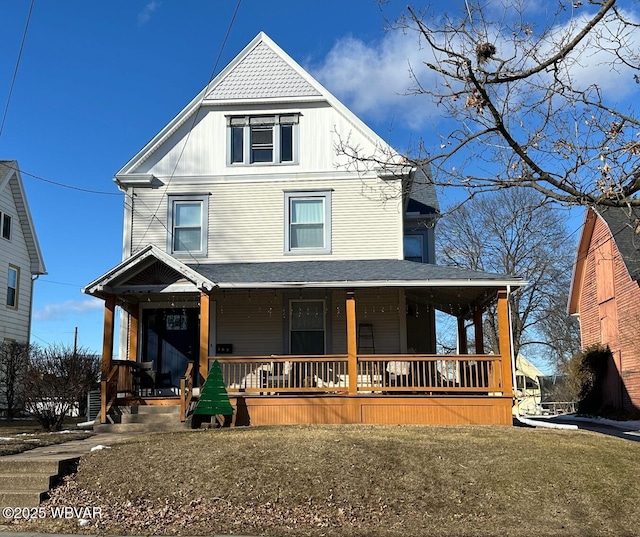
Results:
[70, 187]
[15, 71]
[193, 121]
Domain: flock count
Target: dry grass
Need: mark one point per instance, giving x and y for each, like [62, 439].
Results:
[360, 480]
[22, 435]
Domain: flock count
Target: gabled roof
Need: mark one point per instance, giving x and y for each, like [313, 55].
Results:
[149, 270]
[11, 184]
[261, 73]
[624, 225]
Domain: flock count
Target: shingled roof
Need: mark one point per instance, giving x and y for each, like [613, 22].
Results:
[624, 224]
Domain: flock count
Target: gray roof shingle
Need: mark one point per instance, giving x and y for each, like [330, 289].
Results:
[625, 227]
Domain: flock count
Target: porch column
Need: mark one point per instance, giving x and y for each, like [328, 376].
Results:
[504, 341]
[204, 336]
[107, 335]
[478, 330]
[134, 313]
[462, 337]
[352, 344]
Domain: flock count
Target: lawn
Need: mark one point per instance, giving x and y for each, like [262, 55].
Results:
[359, 481]
[24, 434]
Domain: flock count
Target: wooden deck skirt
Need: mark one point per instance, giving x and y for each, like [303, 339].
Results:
[372, 409]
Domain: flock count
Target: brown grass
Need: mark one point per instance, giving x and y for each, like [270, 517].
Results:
[360, 481]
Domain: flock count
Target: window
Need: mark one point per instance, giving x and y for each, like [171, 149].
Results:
[262, 139]
[5, 224]
[12, 286]
[413, 248]
[308, 222]
[188, 224]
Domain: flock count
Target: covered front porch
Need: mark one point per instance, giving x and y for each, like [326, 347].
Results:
[296, 343]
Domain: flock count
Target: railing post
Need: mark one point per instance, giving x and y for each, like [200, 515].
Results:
[352, 344]
[204, 336]
[478, 330]
[103, 401]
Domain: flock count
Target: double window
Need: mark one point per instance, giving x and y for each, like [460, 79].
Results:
[12, 286]
[307, 222]
[263, 139]
[188, 225]
[5, 226]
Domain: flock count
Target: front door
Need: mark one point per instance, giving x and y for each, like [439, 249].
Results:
[307, 327]
[170, 339]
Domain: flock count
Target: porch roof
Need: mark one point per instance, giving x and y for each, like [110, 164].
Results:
[457, 287]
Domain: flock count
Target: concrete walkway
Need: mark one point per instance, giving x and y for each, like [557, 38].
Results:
[627, 430]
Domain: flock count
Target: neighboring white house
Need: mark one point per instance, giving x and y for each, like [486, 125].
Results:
[20, 258]
[249, 230]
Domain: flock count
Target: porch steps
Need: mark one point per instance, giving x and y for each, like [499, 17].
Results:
[26, 482]
[146, 419]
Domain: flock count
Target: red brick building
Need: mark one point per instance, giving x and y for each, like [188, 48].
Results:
[605, 293]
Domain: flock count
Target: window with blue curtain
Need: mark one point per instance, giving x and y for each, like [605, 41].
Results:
[187, 226]
[307, 223]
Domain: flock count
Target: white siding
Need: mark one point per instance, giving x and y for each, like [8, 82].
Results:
[246, 219]
[14, 323]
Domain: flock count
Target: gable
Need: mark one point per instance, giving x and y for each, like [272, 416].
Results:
[262, 74]
[624, 225]
[12, 189]
[261, 80]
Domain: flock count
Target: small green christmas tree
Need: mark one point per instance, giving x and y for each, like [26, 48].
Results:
[214, 400]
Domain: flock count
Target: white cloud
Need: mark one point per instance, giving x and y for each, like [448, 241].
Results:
[149, 9]
[57, 312]
[373, 79]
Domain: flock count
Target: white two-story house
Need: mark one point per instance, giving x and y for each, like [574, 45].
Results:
[21, 261]
[254, 238]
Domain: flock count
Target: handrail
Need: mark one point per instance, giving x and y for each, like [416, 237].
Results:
[388, 373]
[186, 391]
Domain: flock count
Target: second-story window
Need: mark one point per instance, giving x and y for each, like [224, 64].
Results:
[263, 139]
[307, 222]
[188, 225]
[12, 286]
[5, 224]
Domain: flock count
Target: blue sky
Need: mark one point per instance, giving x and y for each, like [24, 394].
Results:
[97, 80]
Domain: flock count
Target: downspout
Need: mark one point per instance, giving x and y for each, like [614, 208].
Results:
[34, 277]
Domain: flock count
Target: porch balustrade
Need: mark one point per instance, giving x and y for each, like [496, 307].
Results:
[427, 374]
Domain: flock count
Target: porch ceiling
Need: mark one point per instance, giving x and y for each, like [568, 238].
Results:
[449, 289]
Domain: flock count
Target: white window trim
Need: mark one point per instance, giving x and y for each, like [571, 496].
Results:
[204, 234]
[311, 194]
[17, 288]
[234, 121]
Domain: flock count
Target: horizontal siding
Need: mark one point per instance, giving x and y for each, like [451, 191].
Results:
[199, 147]
[14, 323]
[246, 219]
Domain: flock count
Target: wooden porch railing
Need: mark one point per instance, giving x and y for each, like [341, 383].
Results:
[478, 374]
[186, 391]
[108, 392]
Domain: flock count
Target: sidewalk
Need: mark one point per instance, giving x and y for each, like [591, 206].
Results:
[628, 430]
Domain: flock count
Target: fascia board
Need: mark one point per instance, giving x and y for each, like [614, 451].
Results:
[577, 275]
[373, 283]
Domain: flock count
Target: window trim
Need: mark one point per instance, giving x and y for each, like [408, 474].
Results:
[4, 217]
[248, 122]
[289, 196]
[203, 199]
[14, 304]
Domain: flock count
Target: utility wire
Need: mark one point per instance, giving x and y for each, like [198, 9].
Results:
[62, 185]
[15, 71]
[193, 121]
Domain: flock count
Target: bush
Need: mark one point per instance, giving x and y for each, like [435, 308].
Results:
[57, 379]
[586, 372]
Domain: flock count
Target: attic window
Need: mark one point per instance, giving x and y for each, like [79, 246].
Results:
[5, 224]
[262, 139]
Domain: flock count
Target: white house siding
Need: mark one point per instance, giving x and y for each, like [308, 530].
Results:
[14, 323]
[251, 321]
[199, 147]
[379, 307]
[246, 217]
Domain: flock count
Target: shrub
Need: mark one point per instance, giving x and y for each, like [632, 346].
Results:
[586, 372]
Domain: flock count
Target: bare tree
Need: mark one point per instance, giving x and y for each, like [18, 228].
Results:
[14, 357]
[516, 232]
[529, 97]
[57, 379]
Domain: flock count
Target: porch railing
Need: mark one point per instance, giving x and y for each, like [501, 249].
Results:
[392, 373]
